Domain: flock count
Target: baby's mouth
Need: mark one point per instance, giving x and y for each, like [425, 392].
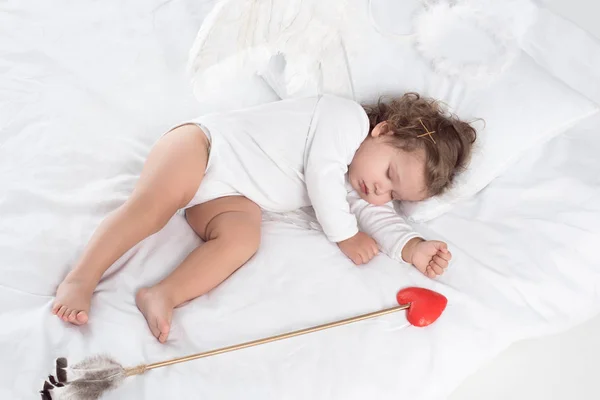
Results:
[364, 188]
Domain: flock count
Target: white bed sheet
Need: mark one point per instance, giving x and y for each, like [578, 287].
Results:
[85, 90]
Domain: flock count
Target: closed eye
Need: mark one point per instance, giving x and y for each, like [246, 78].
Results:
[389, 173]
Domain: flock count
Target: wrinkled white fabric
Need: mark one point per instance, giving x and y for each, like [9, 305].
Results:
[86, 88]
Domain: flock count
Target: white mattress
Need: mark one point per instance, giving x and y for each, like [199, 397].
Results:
[554, 367]
[85, 90]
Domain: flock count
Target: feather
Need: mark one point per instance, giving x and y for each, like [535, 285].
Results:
[474, 39]
[86, 380]
[305, 32]
[61, 373]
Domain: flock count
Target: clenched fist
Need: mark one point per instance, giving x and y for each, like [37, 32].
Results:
[431, 257]
[360, 248]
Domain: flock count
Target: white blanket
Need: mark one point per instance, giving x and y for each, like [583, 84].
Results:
[86, 89]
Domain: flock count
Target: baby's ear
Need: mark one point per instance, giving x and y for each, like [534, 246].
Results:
[381, 129]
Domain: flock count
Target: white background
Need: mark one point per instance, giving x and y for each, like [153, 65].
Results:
[585, 13]
[557, 367]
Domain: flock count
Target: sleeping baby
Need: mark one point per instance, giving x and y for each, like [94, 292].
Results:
[347, 161]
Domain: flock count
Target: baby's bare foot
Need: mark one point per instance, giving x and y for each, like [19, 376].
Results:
[72, 302]
[157, 310]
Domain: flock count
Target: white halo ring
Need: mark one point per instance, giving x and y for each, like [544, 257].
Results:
[442, 23]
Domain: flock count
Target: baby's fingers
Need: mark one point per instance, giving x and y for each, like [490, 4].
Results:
[355, 258]
[367, 252]
[364, 256]
[440, 261]
[447, 256]
[430, 272]
[374, 251]
[370, 253]
[436, 268]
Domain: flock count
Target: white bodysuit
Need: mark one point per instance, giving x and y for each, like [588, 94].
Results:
[295, 153]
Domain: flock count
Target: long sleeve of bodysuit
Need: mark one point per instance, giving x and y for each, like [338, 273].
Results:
[338, 128]
[382, 223]
[331, 148]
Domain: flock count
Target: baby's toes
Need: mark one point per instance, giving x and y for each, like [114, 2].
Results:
[66, 315]
[72, 316]
[164, 329]
[154, 329]
[81, 318]
[61, 311]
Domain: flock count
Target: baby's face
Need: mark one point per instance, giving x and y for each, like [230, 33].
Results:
[380, 172]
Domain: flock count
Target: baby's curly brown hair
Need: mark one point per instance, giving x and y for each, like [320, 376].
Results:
[453, 138]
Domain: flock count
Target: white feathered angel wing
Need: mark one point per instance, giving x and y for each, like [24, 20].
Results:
[304, 32]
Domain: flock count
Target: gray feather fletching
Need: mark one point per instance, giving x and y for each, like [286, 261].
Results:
[86, 380]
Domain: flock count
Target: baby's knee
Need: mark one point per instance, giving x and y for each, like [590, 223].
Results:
[241, 238]
[245, 237]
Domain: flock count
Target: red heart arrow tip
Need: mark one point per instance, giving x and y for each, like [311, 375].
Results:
[426, 306]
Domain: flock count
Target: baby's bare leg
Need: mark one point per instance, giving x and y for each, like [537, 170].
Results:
[170, 178]
[231, 228]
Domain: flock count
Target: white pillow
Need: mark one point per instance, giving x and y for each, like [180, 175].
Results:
[525, 107]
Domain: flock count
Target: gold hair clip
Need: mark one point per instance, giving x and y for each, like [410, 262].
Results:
[427, 132]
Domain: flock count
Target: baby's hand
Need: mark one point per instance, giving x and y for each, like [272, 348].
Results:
[360, 248]
[431, 257]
